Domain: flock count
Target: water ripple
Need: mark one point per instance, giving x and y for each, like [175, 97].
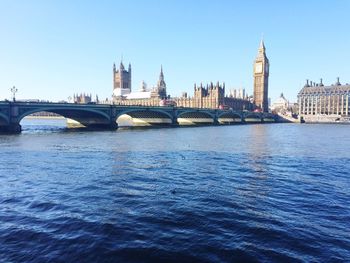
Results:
[251, 195]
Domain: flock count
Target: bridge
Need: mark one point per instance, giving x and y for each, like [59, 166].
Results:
[105, 116]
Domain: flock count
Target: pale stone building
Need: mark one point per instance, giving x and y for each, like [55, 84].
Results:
[280, 105]
[315, 99]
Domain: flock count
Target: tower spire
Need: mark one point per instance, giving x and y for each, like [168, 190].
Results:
[262, 45]
[121, 63]
[161, 86]
[161, 75]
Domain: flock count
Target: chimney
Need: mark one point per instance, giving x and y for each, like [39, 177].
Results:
[338, 83]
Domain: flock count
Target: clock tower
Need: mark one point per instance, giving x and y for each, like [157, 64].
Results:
[261, 79]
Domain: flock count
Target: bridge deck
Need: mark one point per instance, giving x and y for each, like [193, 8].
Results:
[106, 115]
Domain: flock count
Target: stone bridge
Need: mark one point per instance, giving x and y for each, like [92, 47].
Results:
[105, 116]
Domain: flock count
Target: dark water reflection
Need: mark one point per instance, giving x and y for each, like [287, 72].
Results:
[230, 193]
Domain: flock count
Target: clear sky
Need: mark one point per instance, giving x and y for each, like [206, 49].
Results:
[52, 49]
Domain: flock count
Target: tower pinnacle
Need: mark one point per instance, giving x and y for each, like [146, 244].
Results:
[262, 46]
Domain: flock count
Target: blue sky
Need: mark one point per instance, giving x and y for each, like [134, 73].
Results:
[52, 49]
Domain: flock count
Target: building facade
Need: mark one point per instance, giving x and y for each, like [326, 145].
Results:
[82, 98]
[261, 79]
[121, 80]
[144, 97]
[315, 99]
[159, 91]
[213, 97]
[210, 96]
[280, 105]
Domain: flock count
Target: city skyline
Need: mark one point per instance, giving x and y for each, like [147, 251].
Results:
[52, 50]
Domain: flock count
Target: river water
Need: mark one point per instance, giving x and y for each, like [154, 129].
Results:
[252, 193]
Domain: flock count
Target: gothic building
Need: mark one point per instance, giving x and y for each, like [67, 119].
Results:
[160, 90]
[145, 97]
[261, 79]
[210, 96]
[213, 97]
[121, 80]
[82, 98]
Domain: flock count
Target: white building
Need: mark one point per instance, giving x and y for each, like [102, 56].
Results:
[143, 93]
[281, 104]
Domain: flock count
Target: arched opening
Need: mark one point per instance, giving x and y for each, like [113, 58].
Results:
[269, 118]
[229, 118]
[195, 118]
[44, 121]
[66, 117]
[143, 118]
[252, 118]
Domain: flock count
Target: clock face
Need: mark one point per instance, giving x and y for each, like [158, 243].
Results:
[258, 67]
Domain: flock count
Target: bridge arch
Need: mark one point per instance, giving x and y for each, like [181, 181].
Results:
[229, 117]
[195, 112]
[144, 117]
[253, 117]
[269, 117]
[190, 117]
[230, 114]
[86, 117]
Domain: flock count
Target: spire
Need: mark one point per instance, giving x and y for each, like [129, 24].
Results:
[161, 72]
[121, 65]
[161, 82]
[261, 50]
[338, 82]
[161, 75]
[262, 46]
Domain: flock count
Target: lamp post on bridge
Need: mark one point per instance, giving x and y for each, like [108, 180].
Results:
[14, 91]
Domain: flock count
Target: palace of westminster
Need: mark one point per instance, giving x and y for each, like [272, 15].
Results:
[313, 99]
[205, 96]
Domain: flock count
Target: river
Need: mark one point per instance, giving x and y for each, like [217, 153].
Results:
[252, 193]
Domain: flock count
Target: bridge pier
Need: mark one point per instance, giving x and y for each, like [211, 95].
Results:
[174, 122]
[113, 125]
[13, 128]
[216, 121]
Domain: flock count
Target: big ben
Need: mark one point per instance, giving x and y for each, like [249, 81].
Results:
[261, 79]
